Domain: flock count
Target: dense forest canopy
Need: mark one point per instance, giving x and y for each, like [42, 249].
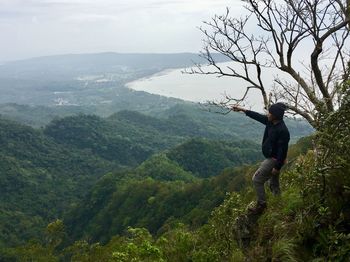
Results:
[46, 172]
[148, 214]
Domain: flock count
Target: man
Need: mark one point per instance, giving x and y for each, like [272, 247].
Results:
[274, 148]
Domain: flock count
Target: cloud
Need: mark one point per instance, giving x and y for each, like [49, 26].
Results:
[35, 20]
[92, 10]
[89, 17]
[45, 27]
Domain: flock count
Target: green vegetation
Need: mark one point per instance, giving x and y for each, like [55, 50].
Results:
[208, 158]
[142, 215]
[39, 179]
[155, 202]
[46, 172]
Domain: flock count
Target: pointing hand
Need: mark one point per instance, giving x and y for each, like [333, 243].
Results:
[238, 109]
[275, 171]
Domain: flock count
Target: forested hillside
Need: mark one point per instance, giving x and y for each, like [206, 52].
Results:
[156, 203]
[163, 190]
[143, 214]
[45, 172]
[104, 175]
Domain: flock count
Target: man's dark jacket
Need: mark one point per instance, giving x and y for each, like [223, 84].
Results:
[276, 138]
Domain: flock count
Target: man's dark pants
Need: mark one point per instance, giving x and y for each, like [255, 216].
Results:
[263, 174]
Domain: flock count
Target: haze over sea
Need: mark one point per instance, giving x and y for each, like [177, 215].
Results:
[199, 88]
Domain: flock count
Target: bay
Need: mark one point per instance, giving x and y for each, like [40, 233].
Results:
[200, 88]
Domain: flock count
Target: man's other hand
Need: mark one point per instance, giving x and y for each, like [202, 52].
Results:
[275, 171]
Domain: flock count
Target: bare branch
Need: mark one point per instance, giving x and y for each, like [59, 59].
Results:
[286, 26]
[224, 106]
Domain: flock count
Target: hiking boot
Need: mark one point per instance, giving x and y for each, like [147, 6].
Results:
[257, 209]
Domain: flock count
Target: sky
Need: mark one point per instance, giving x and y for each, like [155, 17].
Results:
[31, 28]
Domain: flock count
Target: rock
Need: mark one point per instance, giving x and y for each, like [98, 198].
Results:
[244, 227]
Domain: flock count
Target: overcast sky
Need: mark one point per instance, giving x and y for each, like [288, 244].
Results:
[32, 28]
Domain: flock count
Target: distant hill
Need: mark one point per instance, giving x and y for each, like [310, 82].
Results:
[74, 65]
[83, 79]
[177, 118]
[207, 158]
[35, 91]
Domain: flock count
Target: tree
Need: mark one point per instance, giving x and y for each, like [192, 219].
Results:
[285, 29]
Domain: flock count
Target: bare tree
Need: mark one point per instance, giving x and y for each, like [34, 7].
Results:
[286, 28]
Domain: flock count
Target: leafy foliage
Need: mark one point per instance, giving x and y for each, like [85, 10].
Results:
[155, 195]
[45, 172]
[206, 158]
[39, 179]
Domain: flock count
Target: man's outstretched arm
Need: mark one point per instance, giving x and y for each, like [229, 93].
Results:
[254, 115]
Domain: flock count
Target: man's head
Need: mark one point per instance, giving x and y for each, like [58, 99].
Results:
[276, 111]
